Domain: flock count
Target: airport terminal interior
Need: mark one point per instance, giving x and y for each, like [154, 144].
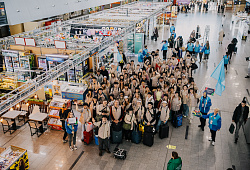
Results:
[125, 85]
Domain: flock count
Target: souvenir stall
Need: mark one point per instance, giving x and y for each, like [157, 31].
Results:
[13, 158]
[55, 106]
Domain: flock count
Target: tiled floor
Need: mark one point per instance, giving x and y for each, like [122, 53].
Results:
[48, 151]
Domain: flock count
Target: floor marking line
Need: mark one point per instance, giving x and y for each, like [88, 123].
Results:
[77, 159]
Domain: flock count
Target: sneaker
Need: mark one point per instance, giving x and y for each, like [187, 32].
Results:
[184, 116]
[65, 141]
[75, 147]
[199, 125]
[108, 151]
[213, 143]
[71, 148]
[236, 140]
[247, 77]
[210, 139]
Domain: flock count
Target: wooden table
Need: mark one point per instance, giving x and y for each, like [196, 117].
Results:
[39, 117]
[12, 115]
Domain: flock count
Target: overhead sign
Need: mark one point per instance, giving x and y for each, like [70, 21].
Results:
[60, 44]
[19, 41]
[93, 52]
[30, 42]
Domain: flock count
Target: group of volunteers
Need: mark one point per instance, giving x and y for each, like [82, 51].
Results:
[151, 93]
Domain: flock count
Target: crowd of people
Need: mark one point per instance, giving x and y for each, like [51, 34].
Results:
[151, 93]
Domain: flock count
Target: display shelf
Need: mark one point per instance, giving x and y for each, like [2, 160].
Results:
[8, 81]
[55, 106]
[14, 158]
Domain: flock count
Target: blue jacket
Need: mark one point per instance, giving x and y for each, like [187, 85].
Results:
[197, 49]
[165, 46]
[226, 58]
[205, 104]
[69, 127]
[140, 57]
[174, 34]
[214, 122]
[172, 28]
[190, 47]
[206, 51]
[145, 52]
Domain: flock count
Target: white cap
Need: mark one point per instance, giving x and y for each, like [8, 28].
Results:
[164, 102]
[125, 97]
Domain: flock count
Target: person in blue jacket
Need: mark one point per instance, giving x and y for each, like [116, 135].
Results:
[164, 49]
[172, 28]
[190, 47]
[173, 34]
[206, 50]
[197, 49]
[140, 57]
[204, 107]
[71, 129]
[145, 51]
[226, 59]
[214, 123]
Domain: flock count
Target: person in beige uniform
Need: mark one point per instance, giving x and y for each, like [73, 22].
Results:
[150, 115]
[117, 115]
[115, 90]
[84, 118]
[100, 108]
[154, 79]
[131, 120]
[103, 134]
[127, 92]
[164, 114]
[139, 111]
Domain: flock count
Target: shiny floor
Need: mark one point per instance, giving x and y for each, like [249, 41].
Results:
[48, 151]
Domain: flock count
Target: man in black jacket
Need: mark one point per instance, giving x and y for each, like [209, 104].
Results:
[104, 72]
[63, 116]
[240, 115]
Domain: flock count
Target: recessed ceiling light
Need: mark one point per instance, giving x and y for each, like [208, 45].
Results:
[66, 3]
[37, 7]
[53, 5]
[18, 10]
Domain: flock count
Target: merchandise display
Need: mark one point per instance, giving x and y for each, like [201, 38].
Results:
[55, 106]
[74, 92]
[19, 61]
[8, 80]
[14, 158]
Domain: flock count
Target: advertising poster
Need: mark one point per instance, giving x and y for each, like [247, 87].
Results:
[139, 39]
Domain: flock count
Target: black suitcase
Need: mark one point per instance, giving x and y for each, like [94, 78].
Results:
[152, 37]
[148, 138]
[163, 131]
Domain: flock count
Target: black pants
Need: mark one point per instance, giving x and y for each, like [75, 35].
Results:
[127, 134]
[165, 54]
[213, 134]
[121, 65]
[103, 143]
[225, 65]
[64, 129]
[203, 121]
[72, 136]
[200, 55]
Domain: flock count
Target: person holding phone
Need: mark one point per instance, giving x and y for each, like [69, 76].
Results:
[71, 128]
[63, 113]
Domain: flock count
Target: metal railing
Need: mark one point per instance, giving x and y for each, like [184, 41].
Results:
[21, 93]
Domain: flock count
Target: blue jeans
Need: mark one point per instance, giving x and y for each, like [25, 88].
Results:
[159, 124]
[185, 109]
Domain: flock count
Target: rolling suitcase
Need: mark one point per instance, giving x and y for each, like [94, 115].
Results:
[117, 136]
[163, 131]
[136, 136]
[177, 120]
[88, 136]
[148, 138]
[96, 140]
